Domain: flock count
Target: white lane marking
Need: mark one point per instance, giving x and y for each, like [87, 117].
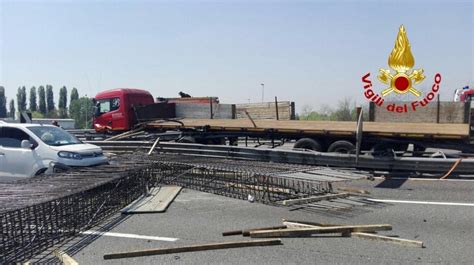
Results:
[427, 179]
[158, 238]
[424, 202]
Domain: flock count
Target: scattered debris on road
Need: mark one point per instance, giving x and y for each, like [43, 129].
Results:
[64, 257]
[395, 240]
[295, 232]
[291, 228]
[156, 201]
[247, 231]
[314, 198]
[193, 248]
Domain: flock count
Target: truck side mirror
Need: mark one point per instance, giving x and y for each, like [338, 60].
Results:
[26, 144]
[97, 111]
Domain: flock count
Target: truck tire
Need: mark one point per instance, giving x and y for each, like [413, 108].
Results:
[342, 147]
[308, 143]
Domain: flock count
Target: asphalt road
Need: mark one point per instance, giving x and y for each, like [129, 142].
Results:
[196, 217]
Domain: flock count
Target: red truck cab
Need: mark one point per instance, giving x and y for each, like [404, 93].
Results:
[114, 108]
[467, 96]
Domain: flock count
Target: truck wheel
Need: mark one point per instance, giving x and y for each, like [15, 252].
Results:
[342, 147]
[308, 143]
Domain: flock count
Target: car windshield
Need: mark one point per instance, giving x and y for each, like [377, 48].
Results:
[53, 135]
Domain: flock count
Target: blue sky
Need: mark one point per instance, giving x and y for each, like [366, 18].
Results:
[313, 53]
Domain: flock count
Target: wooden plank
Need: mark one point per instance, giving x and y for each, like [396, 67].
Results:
[294, 232]
[290, 224]
[64, 257]
[192, 248]
[157, 202]
[246, 232]
[308, 223]
[314, 199]
[394, 240]
[265, 110]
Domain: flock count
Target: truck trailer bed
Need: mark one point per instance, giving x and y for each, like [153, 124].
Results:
[336, 128]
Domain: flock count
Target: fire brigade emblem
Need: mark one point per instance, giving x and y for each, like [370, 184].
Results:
[401, 60]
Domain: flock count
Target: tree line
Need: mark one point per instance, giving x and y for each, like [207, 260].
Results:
[344, 111]
[41, 104]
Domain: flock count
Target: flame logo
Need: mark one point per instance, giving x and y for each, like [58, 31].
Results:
[401, 60]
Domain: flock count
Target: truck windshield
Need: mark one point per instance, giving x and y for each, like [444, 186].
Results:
[54, 136]
[110, 104]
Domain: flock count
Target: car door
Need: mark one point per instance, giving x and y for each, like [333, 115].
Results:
[5, 168]
[16, 162]
[3, 165]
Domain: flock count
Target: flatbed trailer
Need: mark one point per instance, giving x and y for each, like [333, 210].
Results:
[122, 110]
[323, 135]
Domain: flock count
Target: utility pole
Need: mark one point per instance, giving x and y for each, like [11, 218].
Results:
[86, 110]
[263, 91]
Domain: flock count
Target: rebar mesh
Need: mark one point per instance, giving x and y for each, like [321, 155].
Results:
[38, 213]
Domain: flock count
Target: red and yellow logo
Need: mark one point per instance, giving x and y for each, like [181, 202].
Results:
[401, 78]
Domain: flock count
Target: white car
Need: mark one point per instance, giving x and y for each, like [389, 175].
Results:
[27, 150]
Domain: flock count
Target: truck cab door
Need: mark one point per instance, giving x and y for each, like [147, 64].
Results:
[110, 115]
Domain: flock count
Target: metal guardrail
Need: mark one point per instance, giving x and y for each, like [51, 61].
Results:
[365, 162]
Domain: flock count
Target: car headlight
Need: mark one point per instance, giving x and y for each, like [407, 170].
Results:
[69, 155]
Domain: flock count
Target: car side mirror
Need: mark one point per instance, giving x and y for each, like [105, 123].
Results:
[26, 144]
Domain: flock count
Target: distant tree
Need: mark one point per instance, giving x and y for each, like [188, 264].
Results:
[81, 111]
[74, 95]
[346, 110]
[12, 109]
[50, 109]
[62, 104]
[37, 115]
[308, 113]
[42, 100]
[21, 99]
[33, 105]
[3, 103]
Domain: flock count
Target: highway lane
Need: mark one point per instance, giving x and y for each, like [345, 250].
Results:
[196, 217]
